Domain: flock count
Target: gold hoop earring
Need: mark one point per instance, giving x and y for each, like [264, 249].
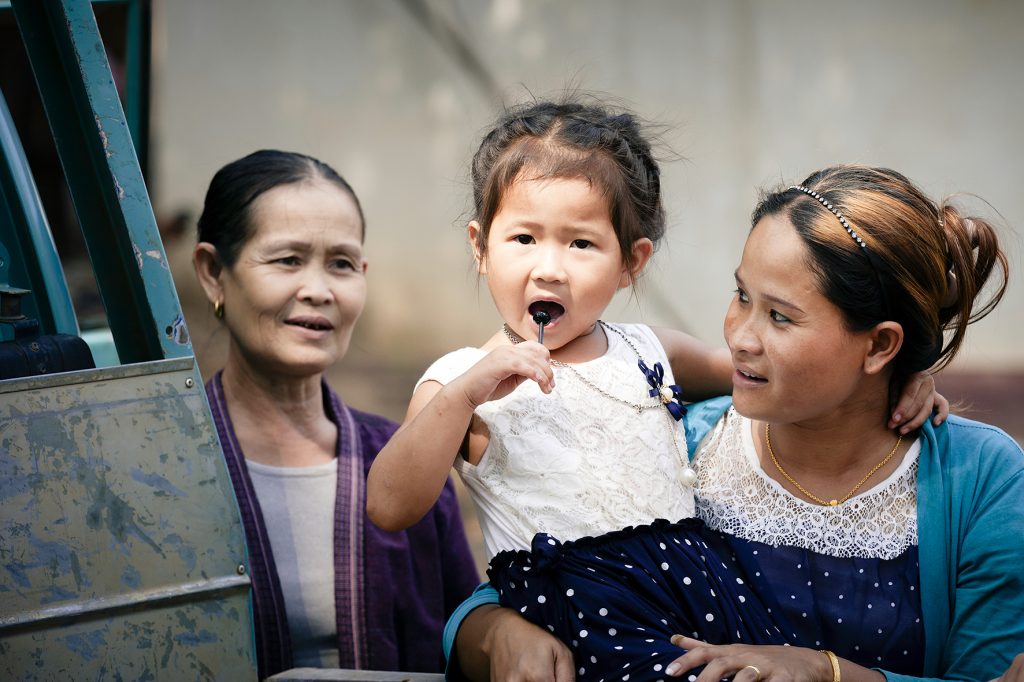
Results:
[218, 309]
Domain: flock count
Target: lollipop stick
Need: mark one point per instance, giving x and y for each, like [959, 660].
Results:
[541, 318]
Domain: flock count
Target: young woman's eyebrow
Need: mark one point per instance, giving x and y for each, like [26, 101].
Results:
[769, 297]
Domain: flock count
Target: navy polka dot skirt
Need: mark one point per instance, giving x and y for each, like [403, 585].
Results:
[616, 599]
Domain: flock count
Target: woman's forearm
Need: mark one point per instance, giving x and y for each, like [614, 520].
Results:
[468, 652]
[498, 643]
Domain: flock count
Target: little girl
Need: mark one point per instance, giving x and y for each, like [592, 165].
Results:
[568, 211]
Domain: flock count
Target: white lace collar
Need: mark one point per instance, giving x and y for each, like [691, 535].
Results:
[736, 496]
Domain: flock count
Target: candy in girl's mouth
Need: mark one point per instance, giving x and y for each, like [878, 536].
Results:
[554, 310]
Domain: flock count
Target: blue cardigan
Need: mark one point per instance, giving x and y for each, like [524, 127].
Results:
[970, 516]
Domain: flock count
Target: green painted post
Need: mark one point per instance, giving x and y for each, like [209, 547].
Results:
[107, 188]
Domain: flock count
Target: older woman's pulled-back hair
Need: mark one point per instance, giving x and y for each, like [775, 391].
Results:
[226, 218]
[919, 263]
[546, 140]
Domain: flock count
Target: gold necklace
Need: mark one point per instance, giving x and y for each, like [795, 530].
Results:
[812, 496]
[688, 477]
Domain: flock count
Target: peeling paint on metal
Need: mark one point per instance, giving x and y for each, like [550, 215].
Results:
[108, 490]
[76, 570]
[138, 255]
[130, 577]
[177, 331]
[185, 552]
[87, 645]
[158, 481]
[103, 138]
[195, 638]
[158, 256]
[107, 508]
[168, 647]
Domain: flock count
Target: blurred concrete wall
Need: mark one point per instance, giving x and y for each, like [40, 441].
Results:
[395, 95]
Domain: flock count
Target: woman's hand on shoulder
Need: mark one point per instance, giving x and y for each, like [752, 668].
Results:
[760, 663]
[918, 401]
[502, 370]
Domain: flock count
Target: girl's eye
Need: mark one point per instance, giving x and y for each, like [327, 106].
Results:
[741, 295]
[581, 243]
[524, 239]
[777, 316]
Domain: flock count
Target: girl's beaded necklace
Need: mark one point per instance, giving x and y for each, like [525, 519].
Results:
[665, 395]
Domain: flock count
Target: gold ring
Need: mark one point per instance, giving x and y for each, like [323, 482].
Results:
[756, 672]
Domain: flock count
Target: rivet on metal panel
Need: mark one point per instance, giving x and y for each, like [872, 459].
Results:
[241, 569]
[189, 383]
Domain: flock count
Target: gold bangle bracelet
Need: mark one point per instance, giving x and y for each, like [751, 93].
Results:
[833, 660]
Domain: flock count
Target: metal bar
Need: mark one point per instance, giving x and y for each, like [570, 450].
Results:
[89, 376]
[28, 235]
[107, 607]
[103, 174]
[137, 65]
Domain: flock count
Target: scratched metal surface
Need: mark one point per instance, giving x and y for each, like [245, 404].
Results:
[121, 550]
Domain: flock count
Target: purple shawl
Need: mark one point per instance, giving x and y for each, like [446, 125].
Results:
[393, 592]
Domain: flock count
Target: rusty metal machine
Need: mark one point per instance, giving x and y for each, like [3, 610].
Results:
[122, 554]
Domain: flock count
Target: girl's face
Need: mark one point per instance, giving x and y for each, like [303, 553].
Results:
[552, 247]
[795, 360]
[298, 286]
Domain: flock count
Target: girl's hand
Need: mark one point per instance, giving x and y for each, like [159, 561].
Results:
[749, 663]
[503, 369]
[916, 403]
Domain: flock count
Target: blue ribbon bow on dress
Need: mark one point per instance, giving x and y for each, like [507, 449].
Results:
[670, 396]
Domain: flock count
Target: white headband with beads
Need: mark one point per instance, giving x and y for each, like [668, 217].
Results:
[835, 211]
[856, 237]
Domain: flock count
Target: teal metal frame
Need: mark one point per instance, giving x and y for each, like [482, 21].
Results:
[94, 145]
[23, 228]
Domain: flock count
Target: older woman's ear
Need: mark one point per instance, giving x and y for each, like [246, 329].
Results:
[209, 268]
[885, 340]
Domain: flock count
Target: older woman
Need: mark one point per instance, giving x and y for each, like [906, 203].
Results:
[280, 257]
[886, 557]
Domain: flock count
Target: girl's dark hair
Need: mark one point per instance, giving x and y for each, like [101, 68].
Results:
[924, 264]
[226, 218]
[572, 139]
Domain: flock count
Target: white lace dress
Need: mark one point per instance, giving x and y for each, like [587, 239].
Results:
[575, 463]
